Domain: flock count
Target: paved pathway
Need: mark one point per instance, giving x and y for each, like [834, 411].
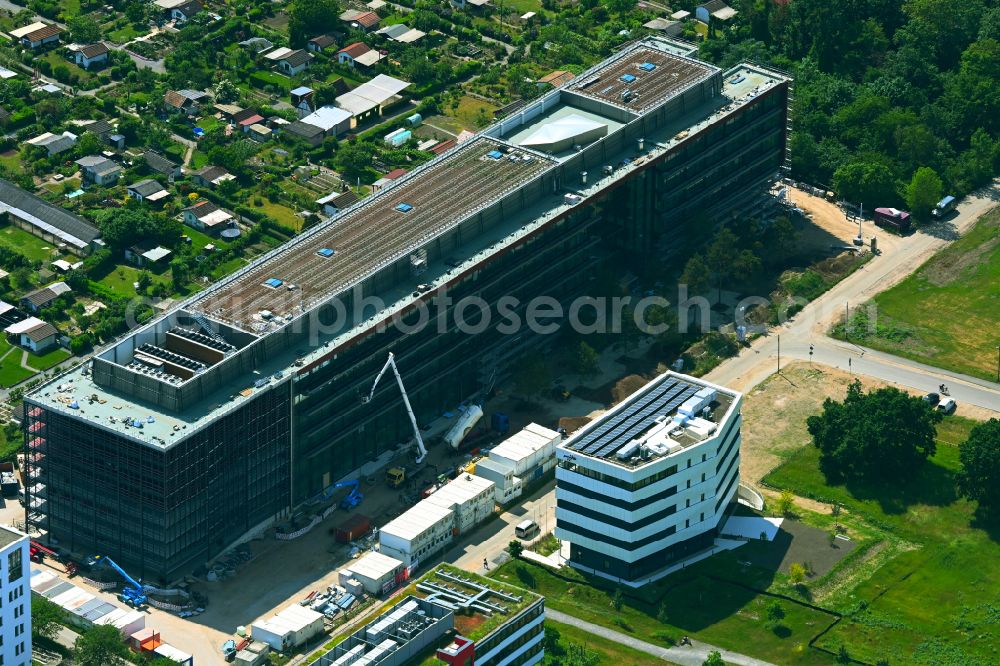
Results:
[809, 327]
[688, 655]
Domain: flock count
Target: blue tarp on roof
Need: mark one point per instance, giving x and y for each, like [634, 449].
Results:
[326, 252]
[494, 154]
[404, 208]
[647, 67]
[627, 78]
[273, 282]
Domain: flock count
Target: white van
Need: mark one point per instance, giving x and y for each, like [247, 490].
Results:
[947, 405]
[526, 529]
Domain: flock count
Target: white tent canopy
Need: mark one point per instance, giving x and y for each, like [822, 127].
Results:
[561, 134]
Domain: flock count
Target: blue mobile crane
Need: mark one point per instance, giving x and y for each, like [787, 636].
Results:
[133, 593]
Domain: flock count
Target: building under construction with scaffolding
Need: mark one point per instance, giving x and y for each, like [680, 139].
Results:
[243, 402]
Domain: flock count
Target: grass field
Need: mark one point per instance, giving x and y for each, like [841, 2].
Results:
[121, 279]
[282, 214]
[606, 652]
[945, 314]
[472, 113]
[11, 371]
[30, 246]
[715, 611]
[936, 601]
[11, 159]
[49, 359]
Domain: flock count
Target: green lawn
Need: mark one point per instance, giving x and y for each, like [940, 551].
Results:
[126, 34]
[49, 359]
[11, 160]
[946, 313]
[472, 113]
[198, 160]
[715, 611]
[231, 266]
[936, 601]
[282, 214]
[11, 371]
[31, 246]
[121, 279]
[607, 652]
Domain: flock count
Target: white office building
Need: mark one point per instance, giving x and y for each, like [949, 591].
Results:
[15, 604]
[645, 487]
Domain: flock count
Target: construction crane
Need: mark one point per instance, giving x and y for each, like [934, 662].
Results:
[391, 362]
[353, 498]
[133, 593]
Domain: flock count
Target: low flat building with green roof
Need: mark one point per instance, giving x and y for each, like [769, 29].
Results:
[449, 616]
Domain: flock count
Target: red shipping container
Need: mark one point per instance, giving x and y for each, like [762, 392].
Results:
[353, 528]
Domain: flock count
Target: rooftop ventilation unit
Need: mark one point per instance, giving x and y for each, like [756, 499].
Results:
[647, 67]
[273, 283]
[404, 207]
[494, 155]
[627, 78]
[325, 252]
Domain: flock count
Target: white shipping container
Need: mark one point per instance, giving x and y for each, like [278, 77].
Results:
[421, 531]
[471, 498]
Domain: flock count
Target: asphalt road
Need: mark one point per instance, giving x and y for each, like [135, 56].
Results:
[898, 259]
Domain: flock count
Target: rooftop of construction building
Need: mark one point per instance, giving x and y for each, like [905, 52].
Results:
[371, 234]
[666, 416]
[9, 535]
[358, 242]
[641, 78]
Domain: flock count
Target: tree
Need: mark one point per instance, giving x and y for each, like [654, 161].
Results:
[88, 144]
[587, 360]
[775, 613]
[796, 573]
[84, 30]
[515, 548]
[532, 375]
[617, 599]
[979, 478]
[355, 158]
[226, 91]
[923, 193]
[123, 227]
[785, 502]
[307, 18]
[714, 659]
[46, 617]
[869, 183]
[877, 436]
[696, 274]
[99, 646]
[620, 7]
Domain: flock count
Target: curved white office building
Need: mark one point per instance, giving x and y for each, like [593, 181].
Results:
[646, 486]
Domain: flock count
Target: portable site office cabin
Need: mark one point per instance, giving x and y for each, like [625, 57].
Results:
[507, 486]
[420, 532]
[376, 572]
[471, 498]
[527, 451]
[289, 628]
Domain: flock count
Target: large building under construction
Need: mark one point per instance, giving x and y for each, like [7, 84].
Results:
[243, 402]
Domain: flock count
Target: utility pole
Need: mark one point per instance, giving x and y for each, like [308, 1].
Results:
[779, 354]
[847, 320]
[998, 363]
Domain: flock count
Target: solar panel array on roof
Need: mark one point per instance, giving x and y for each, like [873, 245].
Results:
[638, 416]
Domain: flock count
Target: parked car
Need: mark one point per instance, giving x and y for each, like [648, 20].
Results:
[932, 399]
[947, 405]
